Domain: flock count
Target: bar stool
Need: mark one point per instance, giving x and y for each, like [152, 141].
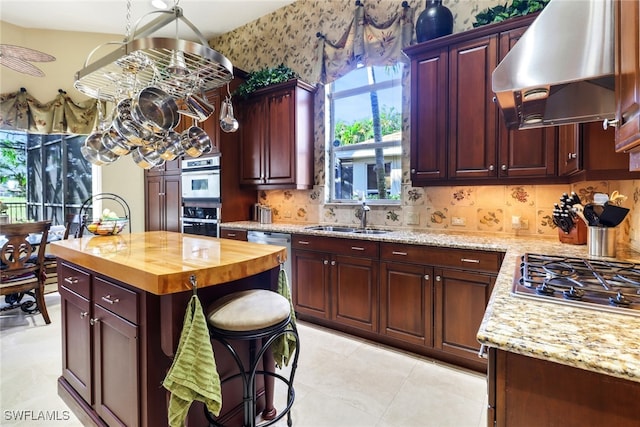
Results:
[252, 315]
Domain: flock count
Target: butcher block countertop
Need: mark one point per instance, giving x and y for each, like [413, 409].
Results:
[591, 339]
[161, 262]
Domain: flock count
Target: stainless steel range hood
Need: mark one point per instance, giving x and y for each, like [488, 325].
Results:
[562, 68]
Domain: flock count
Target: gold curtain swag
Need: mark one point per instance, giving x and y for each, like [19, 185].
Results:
[21, 111]
[365, 43]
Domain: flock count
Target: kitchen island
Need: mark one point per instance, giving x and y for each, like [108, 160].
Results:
[564, 351]
[123, 302]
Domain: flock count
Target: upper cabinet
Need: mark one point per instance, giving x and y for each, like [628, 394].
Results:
[627, 64]
[276, 137]
[456, 129]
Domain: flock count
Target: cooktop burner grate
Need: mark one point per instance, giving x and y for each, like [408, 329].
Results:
[605, 285]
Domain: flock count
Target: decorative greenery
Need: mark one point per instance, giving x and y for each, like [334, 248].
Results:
[362, 130]
[500, 13]
[263, 78]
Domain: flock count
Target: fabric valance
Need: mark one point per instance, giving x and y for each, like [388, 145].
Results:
[365, 43]
[21, 111]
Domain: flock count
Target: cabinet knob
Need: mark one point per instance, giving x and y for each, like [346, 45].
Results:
[84, 314]
[573, 156]
[413, 171]
[325, 262]
[333, 263]
[94, 322]
[491, 167]
[503, 167]
[494, 99]
[606, 123]
[426, 277]
[438, 278]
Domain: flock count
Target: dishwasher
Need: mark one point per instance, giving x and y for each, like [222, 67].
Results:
[278, 239]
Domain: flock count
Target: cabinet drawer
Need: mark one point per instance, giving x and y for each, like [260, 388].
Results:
[116, 299]
[230, 233]
[351, 247]
[445, 257]
[74, 279]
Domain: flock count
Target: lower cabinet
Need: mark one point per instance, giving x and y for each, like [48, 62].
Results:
[336, 280]
[234, 234]
[100, 355]
[429, 300]
[528, 392]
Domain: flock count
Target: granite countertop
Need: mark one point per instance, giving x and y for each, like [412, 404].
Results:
[591, 339]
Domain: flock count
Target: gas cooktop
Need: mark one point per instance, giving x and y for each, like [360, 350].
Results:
[597, 284]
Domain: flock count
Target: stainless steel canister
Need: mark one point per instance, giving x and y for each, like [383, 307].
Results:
[601, 241]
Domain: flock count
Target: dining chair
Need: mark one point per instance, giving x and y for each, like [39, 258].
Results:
[73, 229]
[22, 266]
[73, 226]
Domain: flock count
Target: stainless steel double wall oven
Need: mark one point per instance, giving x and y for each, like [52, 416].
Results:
[201, 198]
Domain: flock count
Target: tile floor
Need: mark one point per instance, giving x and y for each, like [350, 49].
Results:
[341, 381]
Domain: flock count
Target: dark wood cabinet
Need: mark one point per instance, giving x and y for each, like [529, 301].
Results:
[524, 391]
[336, 280]
[460, 299]
[276, 137]
[472, 113]
[232, 233]
[587, 152]
[163, 202]
[406, 301]
[436, 297]
[100, 345]
[627, 71]
[457, 132]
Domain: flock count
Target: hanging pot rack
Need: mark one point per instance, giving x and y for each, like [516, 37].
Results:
[142, 61]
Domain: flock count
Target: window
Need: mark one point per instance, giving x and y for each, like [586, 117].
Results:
[365, 123]
[55, 178]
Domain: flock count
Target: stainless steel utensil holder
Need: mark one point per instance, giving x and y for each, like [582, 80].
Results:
[601, 241]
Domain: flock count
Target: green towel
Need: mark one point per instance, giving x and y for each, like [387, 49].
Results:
[284, 346]
[193, 374]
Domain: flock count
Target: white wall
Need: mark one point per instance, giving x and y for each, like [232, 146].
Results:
[70, 48]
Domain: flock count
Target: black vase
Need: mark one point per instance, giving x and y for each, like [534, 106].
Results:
[435, 21]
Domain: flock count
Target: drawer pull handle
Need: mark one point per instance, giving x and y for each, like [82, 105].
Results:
[71, 280]
[107, 298]
[357, 248]
[93, 322]
[474, 261]
[303, 242]
[231, 234]
[399, 253]
[83, 314]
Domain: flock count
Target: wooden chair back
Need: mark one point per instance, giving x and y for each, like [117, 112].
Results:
[72, 226]
[22, 262]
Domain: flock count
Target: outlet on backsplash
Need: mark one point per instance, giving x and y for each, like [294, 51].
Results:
[413, 218]
[458, 221]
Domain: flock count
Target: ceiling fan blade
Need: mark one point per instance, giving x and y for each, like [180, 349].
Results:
[21, 66]
[25, 53]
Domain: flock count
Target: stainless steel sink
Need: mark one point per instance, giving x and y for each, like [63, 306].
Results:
[331, 228]
[339, 229]
[370, 231]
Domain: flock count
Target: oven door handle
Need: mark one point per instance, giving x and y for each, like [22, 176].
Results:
[198, 220]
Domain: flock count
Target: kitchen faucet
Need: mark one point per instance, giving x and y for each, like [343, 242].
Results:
[363, 216]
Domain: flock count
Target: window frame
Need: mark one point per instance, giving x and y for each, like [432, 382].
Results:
[331, 98]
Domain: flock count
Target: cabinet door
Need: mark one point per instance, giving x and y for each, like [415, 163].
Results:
[406, 301]
[212, 125]
[280, 146]
[76, 343]
[429, 81]
[472, 112]
[568, 149]
[172, 200]
[355, 290]
[524, 153]
[311, 283]
[252, 140]
[116, 369]
[627, 74]
[154, 211]
[460, 301]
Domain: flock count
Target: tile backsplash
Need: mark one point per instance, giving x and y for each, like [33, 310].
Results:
[459, 208]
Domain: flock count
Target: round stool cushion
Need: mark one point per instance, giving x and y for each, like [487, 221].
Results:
[249, 310]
